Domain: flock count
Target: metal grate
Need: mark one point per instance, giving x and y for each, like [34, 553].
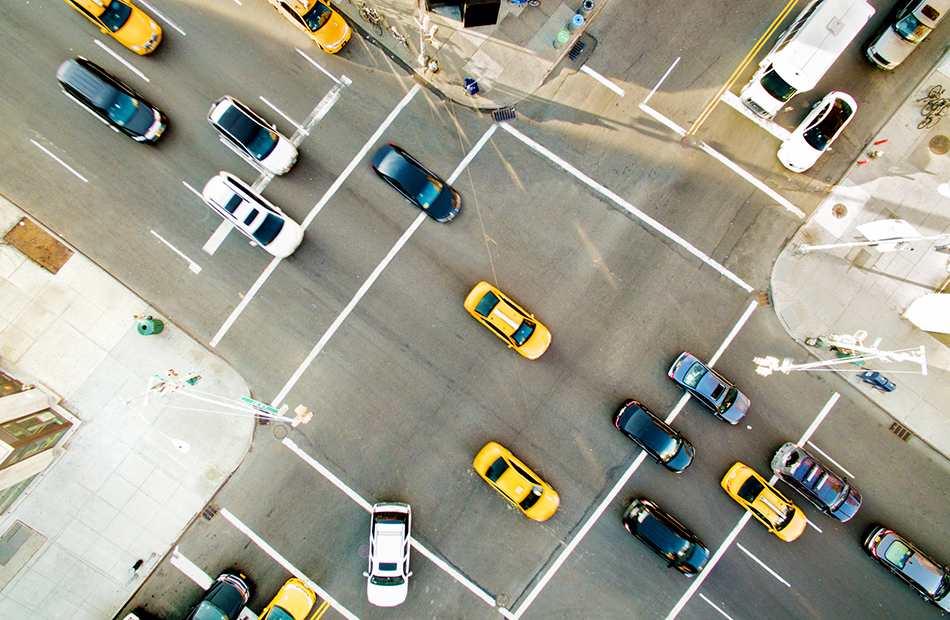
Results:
[902, 432]
[765, 299]
[504, 114]
[209, 512]
[577, 50]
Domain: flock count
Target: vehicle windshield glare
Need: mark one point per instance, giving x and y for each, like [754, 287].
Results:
[911, 30]
[429, 192]
[123, 108]
[115, 15]
[898, 553]
[776, 86]
[694, 375]
[523, 332]
[317, 16]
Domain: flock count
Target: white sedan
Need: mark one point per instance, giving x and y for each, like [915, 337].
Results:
[252, 214]
[815, 134]
[388, 575]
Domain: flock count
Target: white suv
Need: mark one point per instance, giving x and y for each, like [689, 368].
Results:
[388, 574]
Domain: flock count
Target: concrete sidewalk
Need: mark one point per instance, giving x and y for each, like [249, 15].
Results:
[844, 290]
[508, 60]
[120, 491]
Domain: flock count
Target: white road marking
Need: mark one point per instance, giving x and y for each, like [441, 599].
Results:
[310, 217]
[281, 112]
[732, 334]
[217, 238]
[153, 11]
[733, 102]
[726, 162]
[762, 564]
[365, 505]
[190, 569]
[192, 265]
[602, 80]
[643, 217]
[60, 161]
[813, 525]
[328, 101]
[821, 416]
[714, 606]
[662, 79]
[293, 570]
[831, 460]
[122, 60]
[317, 65]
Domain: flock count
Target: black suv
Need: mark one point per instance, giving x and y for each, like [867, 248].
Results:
[829, 493]
[111, 101]
[666, 537]
[655, 436]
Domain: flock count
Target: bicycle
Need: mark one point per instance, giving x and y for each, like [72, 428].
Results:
[935, 106]
[372, 16]
[401, 38]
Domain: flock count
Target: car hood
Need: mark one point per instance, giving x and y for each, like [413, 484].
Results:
[682, 458]
[137, 30]
[144, 119]
[334, 34]
[387, 596]
[287, 240]
[797, 155]
[282, 158]
[892, 48]
[538, 343]
[849, 507]
[446, 206]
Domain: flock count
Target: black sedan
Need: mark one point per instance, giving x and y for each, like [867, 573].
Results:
[655, 436]
[224, 599]
[921, 572]
[416, 183]
[666, 537]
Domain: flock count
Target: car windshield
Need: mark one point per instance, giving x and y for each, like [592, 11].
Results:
[279, 613]
[429, 192]
[532, 498]
[115, 15]
[207, 611]
[260, 141]
[776, 86]
[898, 553]
[730, 398]
[911, 29]
[486, 304]
[788, 515]
[496, 469]
[386, 581]
[266, 232]
[122, 108]
[317, 16]
[523, 333]
[750, 489]
[818, 135]
[696, 372]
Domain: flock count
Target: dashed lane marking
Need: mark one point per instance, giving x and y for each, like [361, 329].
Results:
[763, 565]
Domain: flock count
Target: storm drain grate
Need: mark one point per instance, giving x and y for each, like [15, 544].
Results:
[209, 512]
[577, 50]
[504, 114]
[902, 432]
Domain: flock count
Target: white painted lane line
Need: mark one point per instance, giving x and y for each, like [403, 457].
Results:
[471, 155]
[293, 570]
[217, 238]
[579, 536]
[318, 66]
[699, 579]
[313, 213]
[714, 606]
[365, 505]
[610, 195]
[662, 79]
[733, 102]
[818, 529]
[192, 265]
[153, 11]
[602, 80]
[831, 460]
[762, 564]
[281, 112]
[120, 59]
[768, 191]
[191, 570]
[59, 161]
[818, 420]
[732, 334]
[328, 101]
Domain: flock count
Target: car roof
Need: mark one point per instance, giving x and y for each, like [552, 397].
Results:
[77, 74]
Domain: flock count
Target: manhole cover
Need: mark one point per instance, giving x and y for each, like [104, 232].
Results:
[686, 142]
[839, 211]
[940, 145]
[280, 431]
[501, 600]
[363, 551]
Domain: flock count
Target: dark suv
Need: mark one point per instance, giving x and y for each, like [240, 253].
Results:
[111, 101]
[224, 599]
[928, 578]
[828, 492]
[666, 537]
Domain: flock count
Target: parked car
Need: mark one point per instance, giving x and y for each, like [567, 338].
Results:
[127, 24]
[518, 484]
[921, 572]
[709, 387]
[655, 436]
[255, 140]
[828, 492]
[814, 135]
[224, 599]
[293, 602]
[666, 536]
[388, 576]
[416, 183]
[766, 504]
[905, 31]
[508, 320]
[318, 21]
[252, 215]
[105, 96]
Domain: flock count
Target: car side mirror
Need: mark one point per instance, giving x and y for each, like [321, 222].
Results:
[365, 574]
[409, 574]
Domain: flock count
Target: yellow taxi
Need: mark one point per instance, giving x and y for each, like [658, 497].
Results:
[293, 602]
[130, 26]
[508, 320]
[321, 23]
[518, 484]
[766, 504]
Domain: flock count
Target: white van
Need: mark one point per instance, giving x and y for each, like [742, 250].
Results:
[911, 26]
[804, 53]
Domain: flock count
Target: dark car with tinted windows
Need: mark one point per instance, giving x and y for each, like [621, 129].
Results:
[416, 183]
[921, 572]
[224, 599]
[655, 436]
[709, 387]
[830, 493]
[666, 536]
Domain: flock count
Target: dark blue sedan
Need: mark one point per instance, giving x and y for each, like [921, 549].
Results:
[655, 436]
[416, 183]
